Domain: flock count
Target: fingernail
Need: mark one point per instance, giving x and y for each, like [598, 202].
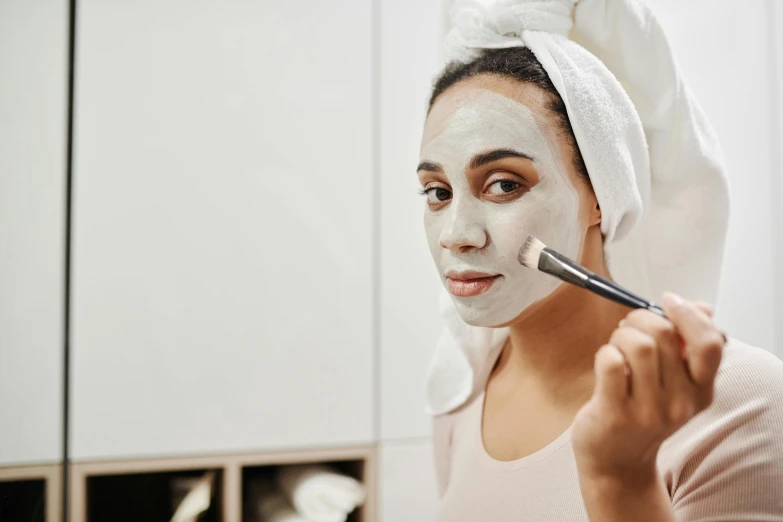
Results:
[622, 323]
[672, 300]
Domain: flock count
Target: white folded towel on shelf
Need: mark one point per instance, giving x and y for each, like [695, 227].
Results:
[319, 493]
[196, 500]
[266, 503]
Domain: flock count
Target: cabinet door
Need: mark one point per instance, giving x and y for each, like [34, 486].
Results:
[222, 248]
[33, 114]
[410, 322]
[408, 486]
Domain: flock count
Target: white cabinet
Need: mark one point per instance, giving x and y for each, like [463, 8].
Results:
[410, 323]
[33, 115]
[408, 488]
[222, 242]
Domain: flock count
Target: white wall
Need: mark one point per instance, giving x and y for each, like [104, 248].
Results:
[33, 112]
[222, 242]
[410, 322]
[408, 490]
[409, 319]
[775, 34]
[725, 58]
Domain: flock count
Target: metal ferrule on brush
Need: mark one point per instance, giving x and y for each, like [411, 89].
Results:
[563, 268]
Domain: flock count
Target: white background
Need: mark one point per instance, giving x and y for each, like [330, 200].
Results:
[250, 270]
[222, 241]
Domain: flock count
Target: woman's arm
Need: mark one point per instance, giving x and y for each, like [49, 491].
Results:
[652, 378]
[726, 464]
[611, 500]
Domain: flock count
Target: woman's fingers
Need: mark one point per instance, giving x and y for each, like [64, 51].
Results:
[675, 379]
[641, 352]
[632, 412]
[704, 343]
[704, 307]
[611, 382]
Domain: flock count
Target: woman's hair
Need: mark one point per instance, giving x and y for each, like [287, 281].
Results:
[516, 63]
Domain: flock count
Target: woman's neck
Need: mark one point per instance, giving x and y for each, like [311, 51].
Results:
[552, 346]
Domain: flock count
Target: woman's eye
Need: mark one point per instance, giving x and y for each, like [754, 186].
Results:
[503, 186]
[437, 194]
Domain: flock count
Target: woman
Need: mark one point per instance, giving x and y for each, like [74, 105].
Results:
[551, 403]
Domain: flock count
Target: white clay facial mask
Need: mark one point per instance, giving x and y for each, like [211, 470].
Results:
[478, 216]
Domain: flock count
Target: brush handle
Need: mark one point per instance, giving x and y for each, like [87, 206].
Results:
[559, 266]
[618, 294]
[567, 270]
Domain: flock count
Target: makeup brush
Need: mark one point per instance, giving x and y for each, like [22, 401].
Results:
[535, 254]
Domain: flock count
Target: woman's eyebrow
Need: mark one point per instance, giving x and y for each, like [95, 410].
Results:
[488, 157]
[429, 166]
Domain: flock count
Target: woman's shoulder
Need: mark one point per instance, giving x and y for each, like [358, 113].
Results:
[728, 459]
[746, 375]
[748, 395]
[744, 423]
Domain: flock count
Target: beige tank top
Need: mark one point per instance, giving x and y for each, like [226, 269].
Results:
[725, 465]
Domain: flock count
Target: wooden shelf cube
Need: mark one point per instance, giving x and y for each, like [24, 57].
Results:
[31, 493]
[140, 489]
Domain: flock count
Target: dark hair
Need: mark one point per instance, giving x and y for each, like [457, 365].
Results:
[516, 63]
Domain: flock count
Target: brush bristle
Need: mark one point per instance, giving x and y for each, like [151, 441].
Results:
[530, 252]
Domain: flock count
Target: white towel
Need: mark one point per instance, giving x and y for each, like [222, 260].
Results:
[320, 494]
[652, 157]
[197, 499]
[266, 503]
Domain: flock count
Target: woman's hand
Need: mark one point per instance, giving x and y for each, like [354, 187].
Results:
[653, 377]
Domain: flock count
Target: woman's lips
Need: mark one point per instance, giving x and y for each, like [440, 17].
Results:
[469, 284]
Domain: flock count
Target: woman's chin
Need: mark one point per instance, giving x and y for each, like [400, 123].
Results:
[483, 317]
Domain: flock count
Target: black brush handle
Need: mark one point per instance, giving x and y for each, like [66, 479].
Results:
[558, 265]
[618, 294]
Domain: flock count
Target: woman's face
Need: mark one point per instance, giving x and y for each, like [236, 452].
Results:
[496, 168]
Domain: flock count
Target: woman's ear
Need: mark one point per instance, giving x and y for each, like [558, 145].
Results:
[595, 214]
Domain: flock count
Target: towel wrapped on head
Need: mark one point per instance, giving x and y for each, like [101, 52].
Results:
[652, 157]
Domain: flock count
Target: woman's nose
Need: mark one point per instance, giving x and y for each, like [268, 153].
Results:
[463, 232]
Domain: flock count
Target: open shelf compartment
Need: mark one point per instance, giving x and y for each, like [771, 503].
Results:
[150, 496]
[30, 493]
[359, 468]
[141, 489]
